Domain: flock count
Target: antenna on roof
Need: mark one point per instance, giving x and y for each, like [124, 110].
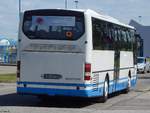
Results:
[66, 4]
[76, 3]
[140, 19]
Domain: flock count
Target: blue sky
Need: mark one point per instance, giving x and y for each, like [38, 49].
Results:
[124, 10]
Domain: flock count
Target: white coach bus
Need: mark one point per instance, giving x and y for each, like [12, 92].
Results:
[78, 53]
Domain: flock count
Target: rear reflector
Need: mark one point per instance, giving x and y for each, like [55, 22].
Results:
[87, 75]
[87, 78]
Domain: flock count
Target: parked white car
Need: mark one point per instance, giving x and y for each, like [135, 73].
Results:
[143, 65]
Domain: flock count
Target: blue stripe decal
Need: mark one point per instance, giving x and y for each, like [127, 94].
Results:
[65, 84]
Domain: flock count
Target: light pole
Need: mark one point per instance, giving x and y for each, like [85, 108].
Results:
[66, 4]
[76, 3]
[19, 9]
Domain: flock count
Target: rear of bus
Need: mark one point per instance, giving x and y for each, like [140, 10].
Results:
[51, 56]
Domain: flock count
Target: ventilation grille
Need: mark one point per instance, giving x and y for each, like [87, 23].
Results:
[95, 81]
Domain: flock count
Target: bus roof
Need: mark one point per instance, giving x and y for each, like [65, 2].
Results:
[103, 16]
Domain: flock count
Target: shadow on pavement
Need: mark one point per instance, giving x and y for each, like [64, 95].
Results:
[33, 101]
[144, 77]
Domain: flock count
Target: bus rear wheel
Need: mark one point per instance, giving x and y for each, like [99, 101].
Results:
[105, 91]
[104, 97]
[128, 86]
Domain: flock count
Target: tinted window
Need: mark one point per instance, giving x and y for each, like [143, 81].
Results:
[102, 35]
[98, 34]
[53, 24]
[109, 36]
[140, 60]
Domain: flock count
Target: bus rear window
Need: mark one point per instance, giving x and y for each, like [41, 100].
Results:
[56, 26]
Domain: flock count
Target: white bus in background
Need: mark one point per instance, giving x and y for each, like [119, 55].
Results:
[78, 53]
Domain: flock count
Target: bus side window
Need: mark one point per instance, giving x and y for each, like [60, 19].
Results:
[127, 40]
[124, 40]
[96, 34]
[115, 38]
[105, 37]
[101, 38]
[110, 36]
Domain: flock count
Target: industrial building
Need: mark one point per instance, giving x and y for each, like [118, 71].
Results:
[144, 32]
[8, 51]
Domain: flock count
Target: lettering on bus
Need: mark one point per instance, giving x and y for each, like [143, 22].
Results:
[52, 47]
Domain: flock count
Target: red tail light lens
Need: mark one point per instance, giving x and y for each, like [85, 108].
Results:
[87, 67]
[87, 72]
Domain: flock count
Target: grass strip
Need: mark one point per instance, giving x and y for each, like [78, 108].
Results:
[8, 78]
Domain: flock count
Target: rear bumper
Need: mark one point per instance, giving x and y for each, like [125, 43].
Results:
[60, 92]
[66, 89]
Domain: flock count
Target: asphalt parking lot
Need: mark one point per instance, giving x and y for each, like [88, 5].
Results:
[7, 69]
[137, 100]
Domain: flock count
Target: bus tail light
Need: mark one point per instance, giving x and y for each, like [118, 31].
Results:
[18, 69]
[87, 72]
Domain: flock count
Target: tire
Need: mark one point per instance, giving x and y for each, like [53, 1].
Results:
[104, 97]
[105, 91]
[128, 86]
[43, 98]
[144, 71]
[148, 70]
